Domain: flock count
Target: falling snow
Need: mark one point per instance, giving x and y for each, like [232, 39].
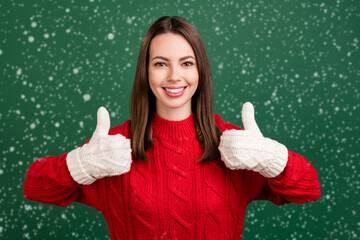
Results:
[86, 97]
[110, 36]
[296, 61]
[31, 39]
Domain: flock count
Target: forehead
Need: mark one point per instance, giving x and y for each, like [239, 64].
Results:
[170, 44]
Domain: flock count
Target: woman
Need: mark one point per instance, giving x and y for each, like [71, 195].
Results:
[185, 174]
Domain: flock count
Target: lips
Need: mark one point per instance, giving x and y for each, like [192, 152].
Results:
[174, 91]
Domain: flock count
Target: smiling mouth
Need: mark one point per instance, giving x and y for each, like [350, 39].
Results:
[174, 90]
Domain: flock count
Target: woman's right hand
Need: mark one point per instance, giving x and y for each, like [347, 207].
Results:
[104, 155]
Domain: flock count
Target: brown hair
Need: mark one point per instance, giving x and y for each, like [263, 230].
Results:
[142, 103]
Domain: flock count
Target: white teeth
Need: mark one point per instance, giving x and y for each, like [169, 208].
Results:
[174, 90]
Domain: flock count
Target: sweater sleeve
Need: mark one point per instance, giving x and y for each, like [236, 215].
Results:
[48, 180]
[297, 183]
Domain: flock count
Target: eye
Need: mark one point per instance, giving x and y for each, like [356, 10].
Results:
[160, 64]
[188, 64]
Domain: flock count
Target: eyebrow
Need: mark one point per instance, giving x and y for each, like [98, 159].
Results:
[166, 59]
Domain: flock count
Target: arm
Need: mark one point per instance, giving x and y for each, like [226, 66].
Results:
[297, 183]
[48, 180]
[276, 173]
[72, 176]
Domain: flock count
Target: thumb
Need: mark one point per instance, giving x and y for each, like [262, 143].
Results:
[248, 118]
[103, 123]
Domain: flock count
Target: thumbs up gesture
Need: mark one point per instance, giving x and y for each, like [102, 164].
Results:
[104, 155]
[248, 149]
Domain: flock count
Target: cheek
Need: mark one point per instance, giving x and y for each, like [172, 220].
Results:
[152, 86]
[194, 78]
[152, 78]
[154, 82]
[155, 77]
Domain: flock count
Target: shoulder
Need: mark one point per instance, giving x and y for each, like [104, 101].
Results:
[224, 125]
[123, 129]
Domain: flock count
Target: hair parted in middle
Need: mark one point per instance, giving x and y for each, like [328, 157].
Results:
[143, 101]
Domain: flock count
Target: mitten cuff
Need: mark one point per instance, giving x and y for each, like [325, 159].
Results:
[279, 162]
[76, 169]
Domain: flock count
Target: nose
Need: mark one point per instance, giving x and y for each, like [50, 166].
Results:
[174, 73]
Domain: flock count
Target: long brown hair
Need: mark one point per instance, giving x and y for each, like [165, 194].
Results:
[142, 103]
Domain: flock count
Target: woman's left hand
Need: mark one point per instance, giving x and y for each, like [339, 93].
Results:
[249, 149]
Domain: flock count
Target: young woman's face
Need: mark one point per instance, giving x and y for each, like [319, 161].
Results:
[173, 75]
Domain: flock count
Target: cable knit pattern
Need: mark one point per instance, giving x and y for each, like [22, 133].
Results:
[215, 199]
[179, 198]
[142, 204]
[172, 196]
[173, 143]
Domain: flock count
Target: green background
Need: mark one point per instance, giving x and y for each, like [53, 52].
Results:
[296, 61]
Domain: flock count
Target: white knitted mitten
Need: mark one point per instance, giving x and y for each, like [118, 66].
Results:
[104, 155]
[248, 149]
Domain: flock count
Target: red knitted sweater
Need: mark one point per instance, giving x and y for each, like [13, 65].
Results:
[172, 196]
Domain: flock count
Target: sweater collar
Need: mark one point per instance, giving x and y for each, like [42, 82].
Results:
[183, 129]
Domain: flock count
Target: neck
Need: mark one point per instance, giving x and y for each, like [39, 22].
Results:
[174, 114]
